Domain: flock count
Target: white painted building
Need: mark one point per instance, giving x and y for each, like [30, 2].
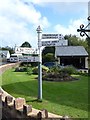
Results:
[4, 54]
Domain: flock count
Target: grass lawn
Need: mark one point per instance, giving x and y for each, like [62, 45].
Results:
[63, 98]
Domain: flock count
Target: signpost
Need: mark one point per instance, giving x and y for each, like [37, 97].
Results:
[26, 50]
[30, 59]
[54, 43]
[39, 31]
[52, 36]
[24, 58]
[46, 40]
[53, 40]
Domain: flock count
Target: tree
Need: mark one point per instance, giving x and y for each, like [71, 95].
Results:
[49, 57]
[73, 40]
[11, 50]
[48, 49]
[48, 54]
[26, 44]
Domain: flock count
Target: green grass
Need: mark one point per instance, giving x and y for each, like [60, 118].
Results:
[62, 98]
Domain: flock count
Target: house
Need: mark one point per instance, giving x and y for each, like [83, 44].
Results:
[4, 54]
[72, 55]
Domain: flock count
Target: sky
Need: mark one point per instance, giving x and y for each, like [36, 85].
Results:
[19, 19]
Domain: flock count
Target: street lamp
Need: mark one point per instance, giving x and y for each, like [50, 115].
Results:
[83, 29]
[39, 32]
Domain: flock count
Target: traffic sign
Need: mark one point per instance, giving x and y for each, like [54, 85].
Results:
[25, 59]
[30, 59]
[52, 36]
[54, 43]
[25, 50]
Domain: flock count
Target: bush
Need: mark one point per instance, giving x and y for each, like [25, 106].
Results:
[20, 69]
[55, 69]
[44, 69]
[69, 70]
[49, 57]
[35, 70]
[29, 70]
[25, 64]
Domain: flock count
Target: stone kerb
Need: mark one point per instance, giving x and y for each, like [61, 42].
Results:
[17, 107]
[27, 109]
[19, 102]
[43, 114]
[3, 68]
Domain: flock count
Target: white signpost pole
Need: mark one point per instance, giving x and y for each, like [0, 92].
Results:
[39, 31]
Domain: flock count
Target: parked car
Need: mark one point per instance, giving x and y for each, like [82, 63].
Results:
[49, 64]
[52, 64]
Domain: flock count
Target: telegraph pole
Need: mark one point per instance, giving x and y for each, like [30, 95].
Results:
[83, 30]
[39, 32]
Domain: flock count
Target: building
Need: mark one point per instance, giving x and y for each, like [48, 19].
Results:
[72, 55]
[4, 54]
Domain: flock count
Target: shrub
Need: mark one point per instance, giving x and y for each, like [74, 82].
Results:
[49, 57]
[29, 70]
[35, 70]
[69, 70]
[44, 69]
[25, 64]
[20, 69]
[55, 69]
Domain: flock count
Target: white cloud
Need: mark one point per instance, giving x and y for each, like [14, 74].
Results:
[19, 20]
[16, 22]
[46, 1]
[71, 28]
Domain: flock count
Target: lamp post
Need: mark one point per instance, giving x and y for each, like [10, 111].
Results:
[39, 32]
[83, 29]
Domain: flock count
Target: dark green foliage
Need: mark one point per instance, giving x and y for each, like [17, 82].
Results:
[44, 69]
[29, 70]
[49, 57]
[69, 70]
[46, 51]
[34, 64]
[73, 40]
[60, 74]
[26, 44]
[35, 70]
[25, 64]
[55, 69]
[11, 50]
[21, 69]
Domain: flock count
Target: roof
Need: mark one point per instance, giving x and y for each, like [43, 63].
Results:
[71, 51]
